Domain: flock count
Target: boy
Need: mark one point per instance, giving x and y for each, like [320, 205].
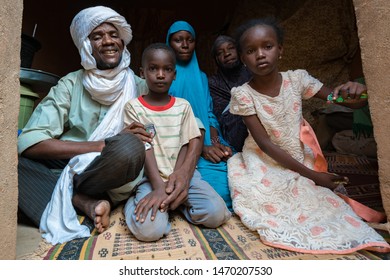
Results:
[174, 128]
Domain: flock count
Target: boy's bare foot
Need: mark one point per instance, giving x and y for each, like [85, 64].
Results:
[97, 210]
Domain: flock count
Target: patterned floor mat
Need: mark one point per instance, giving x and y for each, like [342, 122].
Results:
[232, 241]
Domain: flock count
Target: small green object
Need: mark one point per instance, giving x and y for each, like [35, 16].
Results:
[339, 99]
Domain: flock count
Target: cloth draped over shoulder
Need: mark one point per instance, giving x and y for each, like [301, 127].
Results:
[112, 87]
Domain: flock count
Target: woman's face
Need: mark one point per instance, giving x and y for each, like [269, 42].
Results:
[226, 55]
[183, 43]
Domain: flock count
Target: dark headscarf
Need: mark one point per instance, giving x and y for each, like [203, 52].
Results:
[219, 41]
[220, 84]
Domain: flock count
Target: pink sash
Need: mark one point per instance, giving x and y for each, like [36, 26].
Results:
[309, 138]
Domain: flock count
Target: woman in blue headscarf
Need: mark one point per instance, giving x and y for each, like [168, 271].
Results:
[192, 84]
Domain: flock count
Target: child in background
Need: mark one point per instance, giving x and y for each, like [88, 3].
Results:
[174, 128]
[279, 183]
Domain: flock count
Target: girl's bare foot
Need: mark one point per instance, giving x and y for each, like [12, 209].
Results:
[97, 210]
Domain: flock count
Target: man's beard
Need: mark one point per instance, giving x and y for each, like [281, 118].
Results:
[101, 65]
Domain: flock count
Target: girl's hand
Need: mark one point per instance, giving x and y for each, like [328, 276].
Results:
[216, 153]
[329, 180]
[152, 201]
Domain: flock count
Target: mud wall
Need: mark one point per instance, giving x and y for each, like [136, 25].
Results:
[10, 25]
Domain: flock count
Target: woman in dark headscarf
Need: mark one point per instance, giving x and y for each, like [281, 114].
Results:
[230, 73]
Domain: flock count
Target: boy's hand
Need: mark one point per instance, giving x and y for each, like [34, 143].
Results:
[176, 189]
[152, 201]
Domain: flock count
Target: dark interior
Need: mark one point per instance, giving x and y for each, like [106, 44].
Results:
[320, 35]
[49, 21]
[149, 20]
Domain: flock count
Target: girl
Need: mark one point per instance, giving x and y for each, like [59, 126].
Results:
[279, 183]
[192, 84]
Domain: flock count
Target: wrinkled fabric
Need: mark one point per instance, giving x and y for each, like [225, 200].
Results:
[287, 210]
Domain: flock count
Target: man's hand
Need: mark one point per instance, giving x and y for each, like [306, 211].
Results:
[349, 90]
[138, 130]
[177, 189]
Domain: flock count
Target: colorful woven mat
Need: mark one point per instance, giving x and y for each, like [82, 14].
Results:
[232, 241]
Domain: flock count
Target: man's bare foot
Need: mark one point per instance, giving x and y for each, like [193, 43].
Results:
[101, 213]
[97, 210]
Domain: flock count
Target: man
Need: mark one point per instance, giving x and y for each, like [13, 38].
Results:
[75, 150]
[230, 73]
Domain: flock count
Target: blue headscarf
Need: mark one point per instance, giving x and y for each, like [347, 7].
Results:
[191, 83]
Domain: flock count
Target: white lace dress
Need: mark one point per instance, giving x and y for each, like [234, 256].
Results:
[288, 210]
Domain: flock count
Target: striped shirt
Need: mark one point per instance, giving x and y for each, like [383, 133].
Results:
[175, 126]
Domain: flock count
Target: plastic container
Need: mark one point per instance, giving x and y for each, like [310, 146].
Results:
[28, 49]
[27, 103]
